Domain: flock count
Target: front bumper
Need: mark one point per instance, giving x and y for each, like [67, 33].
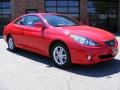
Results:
[92, 55]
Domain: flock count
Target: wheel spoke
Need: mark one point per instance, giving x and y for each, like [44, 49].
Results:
[61, 50]
[64, 56]
[57, 51]
[57, 57]
[61, 61]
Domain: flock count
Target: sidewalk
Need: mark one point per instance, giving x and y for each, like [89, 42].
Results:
[118, 37]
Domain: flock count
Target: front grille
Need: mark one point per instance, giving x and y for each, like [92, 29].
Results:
[110, 43]
[106, 56]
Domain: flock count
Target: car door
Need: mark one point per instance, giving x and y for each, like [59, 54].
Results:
[18, 31]
[33, 37]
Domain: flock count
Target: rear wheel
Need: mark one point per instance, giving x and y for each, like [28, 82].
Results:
[60, 55]
[11, 45]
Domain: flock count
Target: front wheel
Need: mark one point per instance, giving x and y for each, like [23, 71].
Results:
[60, 55]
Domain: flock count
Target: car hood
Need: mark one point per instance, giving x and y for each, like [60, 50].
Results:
[88, 32]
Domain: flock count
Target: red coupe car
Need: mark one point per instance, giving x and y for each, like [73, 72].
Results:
[62, 38]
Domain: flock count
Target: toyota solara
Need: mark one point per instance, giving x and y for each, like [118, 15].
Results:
[61, 38]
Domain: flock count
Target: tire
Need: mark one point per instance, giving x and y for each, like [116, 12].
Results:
[11, 44]
[60, 55]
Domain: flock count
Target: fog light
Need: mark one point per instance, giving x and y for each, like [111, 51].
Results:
[89, 57]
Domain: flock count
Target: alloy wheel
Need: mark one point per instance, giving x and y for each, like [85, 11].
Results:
[11, 45]
[60, 55]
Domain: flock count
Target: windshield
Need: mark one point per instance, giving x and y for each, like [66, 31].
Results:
[60, 20]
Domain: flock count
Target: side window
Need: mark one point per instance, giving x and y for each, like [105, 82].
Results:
[31, 20]
[21, 21]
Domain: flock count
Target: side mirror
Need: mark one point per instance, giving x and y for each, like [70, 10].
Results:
[21, 22]
[39, 25]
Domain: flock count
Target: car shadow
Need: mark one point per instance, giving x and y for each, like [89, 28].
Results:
[33, 56]
[104, 69]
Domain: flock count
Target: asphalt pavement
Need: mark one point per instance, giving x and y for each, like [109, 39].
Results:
[24, 70]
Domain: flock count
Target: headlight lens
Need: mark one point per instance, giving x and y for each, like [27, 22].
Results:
[83, 40]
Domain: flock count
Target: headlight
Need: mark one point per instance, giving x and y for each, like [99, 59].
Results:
[83, 40]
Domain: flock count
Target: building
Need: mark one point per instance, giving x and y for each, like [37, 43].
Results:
[99, 13]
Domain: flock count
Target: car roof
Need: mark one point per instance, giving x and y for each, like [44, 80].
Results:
[38, 14]
[41, 14]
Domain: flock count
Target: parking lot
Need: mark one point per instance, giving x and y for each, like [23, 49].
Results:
[24, 70]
